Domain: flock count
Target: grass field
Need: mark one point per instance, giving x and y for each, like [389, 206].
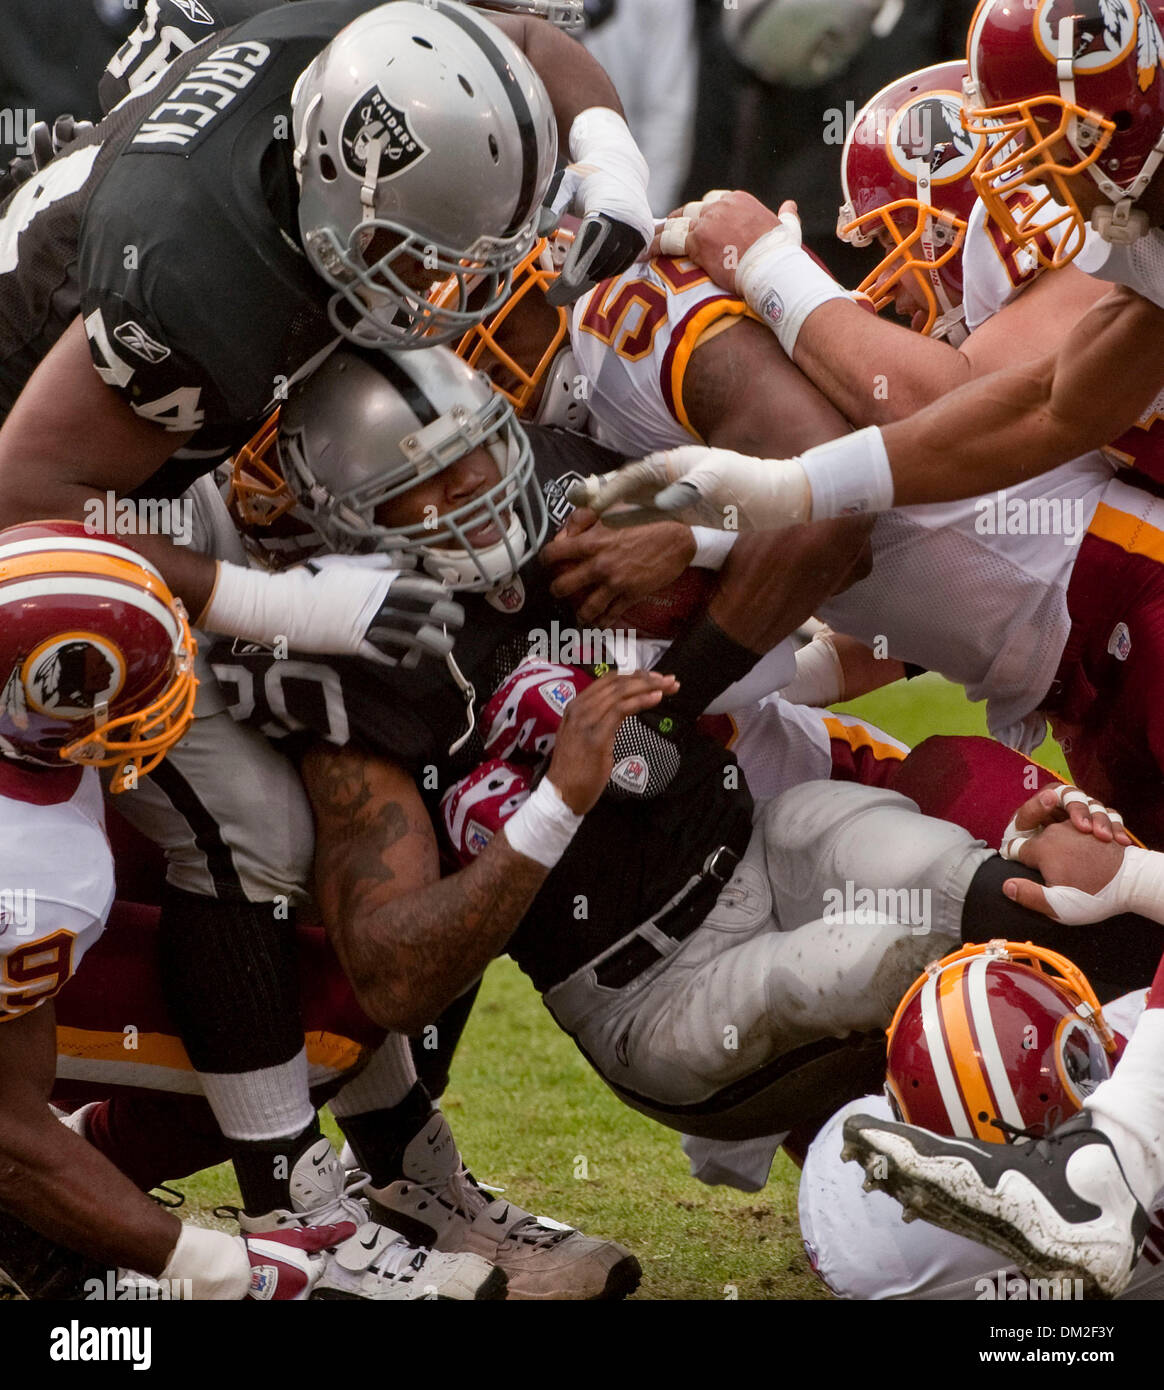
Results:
[531, 1116]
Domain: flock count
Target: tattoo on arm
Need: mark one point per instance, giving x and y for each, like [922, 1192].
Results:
[409, 940]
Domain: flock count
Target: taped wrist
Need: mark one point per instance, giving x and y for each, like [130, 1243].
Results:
[783, 285]
[712, 547]
[849, 476]
[1121, 955]
[543, 826]
[706, 661]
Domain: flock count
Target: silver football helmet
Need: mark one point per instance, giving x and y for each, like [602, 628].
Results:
[424, 145]
[368, 426]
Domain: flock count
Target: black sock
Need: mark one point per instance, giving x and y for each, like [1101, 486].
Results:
[263, 1168]
[433, 1063]
[379, 1137]
[706, 661]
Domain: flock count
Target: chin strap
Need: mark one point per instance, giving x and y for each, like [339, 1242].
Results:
[1121, 222]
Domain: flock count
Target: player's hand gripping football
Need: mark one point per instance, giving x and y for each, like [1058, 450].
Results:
[584, 751]
[603, 574]
[702, 487]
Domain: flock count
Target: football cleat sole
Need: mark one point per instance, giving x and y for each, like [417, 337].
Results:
[951, 1205]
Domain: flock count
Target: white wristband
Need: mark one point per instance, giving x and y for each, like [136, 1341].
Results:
[217, 1265]
[783, 285]
[1141, 883]
[712, 547]
[616, 174]
[849, 475]
[820, 677]
[543, 826]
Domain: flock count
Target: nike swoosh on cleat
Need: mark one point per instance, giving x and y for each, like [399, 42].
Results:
[503, 1218]
[370, 1244]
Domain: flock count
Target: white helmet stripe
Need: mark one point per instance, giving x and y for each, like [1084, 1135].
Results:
[936, 1042]
[96, 546]
[992, 1060]
[21, 590]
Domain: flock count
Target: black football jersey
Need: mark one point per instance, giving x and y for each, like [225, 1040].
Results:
[171, 228]
[168, 29]
[629, 857]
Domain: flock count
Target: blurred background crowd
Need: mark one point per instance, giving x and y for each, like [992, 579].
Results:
[719, 93]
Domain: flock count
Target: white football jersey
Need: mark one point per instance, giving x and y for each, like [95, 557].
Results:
[859, 1245]
[56, 882]
[1139, 265]
[633, 337]
[1003, 561]
[994, 270]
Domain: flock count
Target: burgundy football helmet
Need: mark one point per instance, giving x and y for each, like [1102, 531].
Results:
[96, 656]
[997, 1040]
[906, 173]
[1063, 88]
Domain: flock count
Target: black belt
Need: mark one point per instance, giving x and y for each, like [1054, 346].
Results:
[677, 921]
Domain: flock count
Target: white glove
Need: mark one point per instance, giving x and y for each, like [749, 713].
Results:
[704, 487]
[607, 185]
[341, 605]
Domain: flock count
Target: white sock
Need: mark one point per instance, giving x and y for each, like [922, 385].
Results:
[271, 1103]
[382, 1084]
[1129, 1108]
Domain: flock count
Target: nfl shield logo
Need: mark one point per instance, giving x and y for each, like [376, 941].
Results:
[1119, 644]
[373, 118]
[476, 837]
[631, 774]
[558, 694]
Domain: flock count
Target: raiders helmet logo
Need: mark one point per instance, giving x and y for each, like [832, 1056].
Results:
[372, 121]
[73, 676]
[1104, 33]
[927, 136]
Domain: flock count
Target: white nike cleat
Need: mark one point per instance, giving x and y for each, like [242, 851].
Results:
[378, 1265]
[374, 1263]
[440, 1204]
[322, 1194]
[1059, 1207]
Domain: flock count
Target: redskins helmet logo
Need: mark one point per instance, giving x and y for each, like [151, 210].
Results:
[373, 118]
[929, 132]
[74, 675]
[1104, 36]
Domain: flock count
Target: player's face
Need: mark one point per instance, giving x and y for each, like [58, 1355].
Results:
[469, 478]
[908, 300]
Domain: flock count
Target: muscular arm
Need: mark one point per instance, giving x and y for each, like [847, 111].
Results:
[70, 437]
[741, 392]
[56, 1182]
[573, 78]
[876, 371]
[409, 941]
[1025, 420]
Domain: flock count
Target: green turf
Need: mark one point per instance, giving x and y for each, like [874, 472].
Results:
[531, 1116]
